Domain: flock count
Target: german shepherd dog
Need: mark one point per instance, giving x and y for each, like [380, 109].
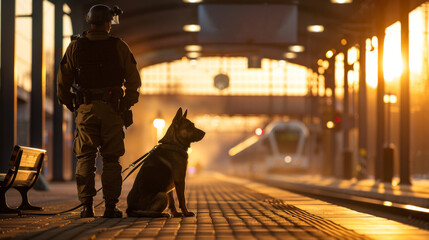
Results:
[162, 171]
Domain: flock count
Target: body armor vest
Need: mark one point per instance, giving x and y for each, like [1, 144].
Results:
[97, 63]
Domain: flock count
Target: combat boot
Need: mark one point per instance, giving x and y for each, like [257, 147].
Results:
[87, 211]
[111, 211]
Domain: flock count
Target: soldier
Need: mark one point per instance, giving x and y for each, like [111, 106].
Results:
[99, 67]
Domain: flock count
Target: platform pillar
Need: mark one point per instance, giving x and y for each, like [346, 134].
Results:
[380, 24]
[58, 153]
[8, 87]
[404, 122]
[362, 112]
[38, 79]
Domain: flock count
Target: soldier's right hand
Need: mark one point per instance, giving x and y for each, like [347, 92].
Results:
[124, 106]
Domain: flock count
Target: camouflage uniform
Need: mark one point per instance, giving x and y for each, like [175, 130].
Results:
[98, 123]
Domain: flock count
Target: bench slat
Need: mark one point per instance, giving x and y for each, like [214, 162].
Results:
[29, 159]
[2, 176]
[24, 178]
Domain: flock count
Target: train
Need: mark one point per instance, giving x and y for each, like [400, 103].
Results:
[280, 147]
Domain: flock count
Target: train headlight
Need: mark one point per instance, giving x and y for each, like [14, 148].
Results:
[288, 159]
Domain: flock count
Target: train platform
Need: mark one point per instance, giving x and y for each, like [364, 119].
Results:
[415, 196]
[226, 208]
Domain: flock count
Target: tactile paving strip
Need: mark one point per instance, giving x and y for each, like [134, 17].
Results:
[327, 226]
[259, 211]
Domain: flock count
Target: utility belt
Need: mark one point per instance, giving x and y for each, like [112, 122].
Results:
[111, 96]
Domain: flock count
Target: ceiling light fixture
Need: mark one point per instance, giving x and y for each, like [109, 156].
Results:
[341, 1]
[296, 48]
[330, 53]
[192, 28]
[315, 28]
[192, 1]
[290, 55]
[193, 54]
[193, 48]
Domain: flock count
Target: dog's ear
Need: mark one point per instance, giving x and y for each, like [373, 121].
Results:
[186, 112]
[178, 115]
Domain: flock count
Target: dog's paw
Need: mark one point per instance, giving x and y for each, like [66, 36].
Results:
[189, 214]
[167, 215]
[177, 214]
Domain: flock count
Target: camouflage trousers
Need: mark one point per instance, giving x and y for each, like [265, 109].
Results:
[98, 128]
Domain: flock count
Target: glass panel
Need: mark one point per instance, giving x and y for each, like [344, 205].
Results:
[287, 140]
[23, 39]
[67, 31]
[49, 46]
[419, 84]
[195, 77]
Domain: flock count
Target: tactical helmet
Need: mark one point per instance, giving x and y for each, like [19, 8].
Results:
[99, 14]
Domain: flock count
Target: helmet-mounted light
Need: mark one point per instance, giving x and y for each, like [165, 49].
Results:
[99, 14]
[116, 11]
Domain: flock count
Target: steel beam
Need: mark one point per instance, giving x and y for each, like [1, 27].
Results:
[8, 87]
[38, 78]
[58, 109]
[380, 22]
[404, 125]
[362, 112]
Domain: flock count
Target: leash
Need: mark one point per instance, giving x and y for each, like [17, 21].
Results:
[135, 165]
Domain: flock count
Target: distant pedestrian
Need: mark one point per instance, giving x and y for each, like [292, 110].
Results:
[97, 67]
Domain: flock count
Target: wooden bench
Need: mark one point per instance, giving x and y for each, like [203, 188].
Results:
[25, 166]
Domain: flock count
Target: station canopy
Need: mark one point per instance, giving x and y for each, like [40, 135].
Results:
[155, 29]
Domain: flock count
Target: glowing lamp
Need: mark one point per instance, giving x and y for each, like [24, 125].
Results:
[193, 54]
[192, 28]
[259, 131]
[288, 159]
[330, 54]
[316, 28]
[390, 98]
[193, 48]
[159, 123]
[290, 55]
[341, 1]
[328, 92]
[296, 48]
[192, 1]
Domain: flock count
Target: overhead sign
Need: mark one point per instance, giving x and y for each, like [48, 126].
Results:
[221, 81]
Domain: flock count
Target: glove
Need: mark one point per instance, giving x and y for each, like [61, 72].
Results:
[124, 105]
[70, 107]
